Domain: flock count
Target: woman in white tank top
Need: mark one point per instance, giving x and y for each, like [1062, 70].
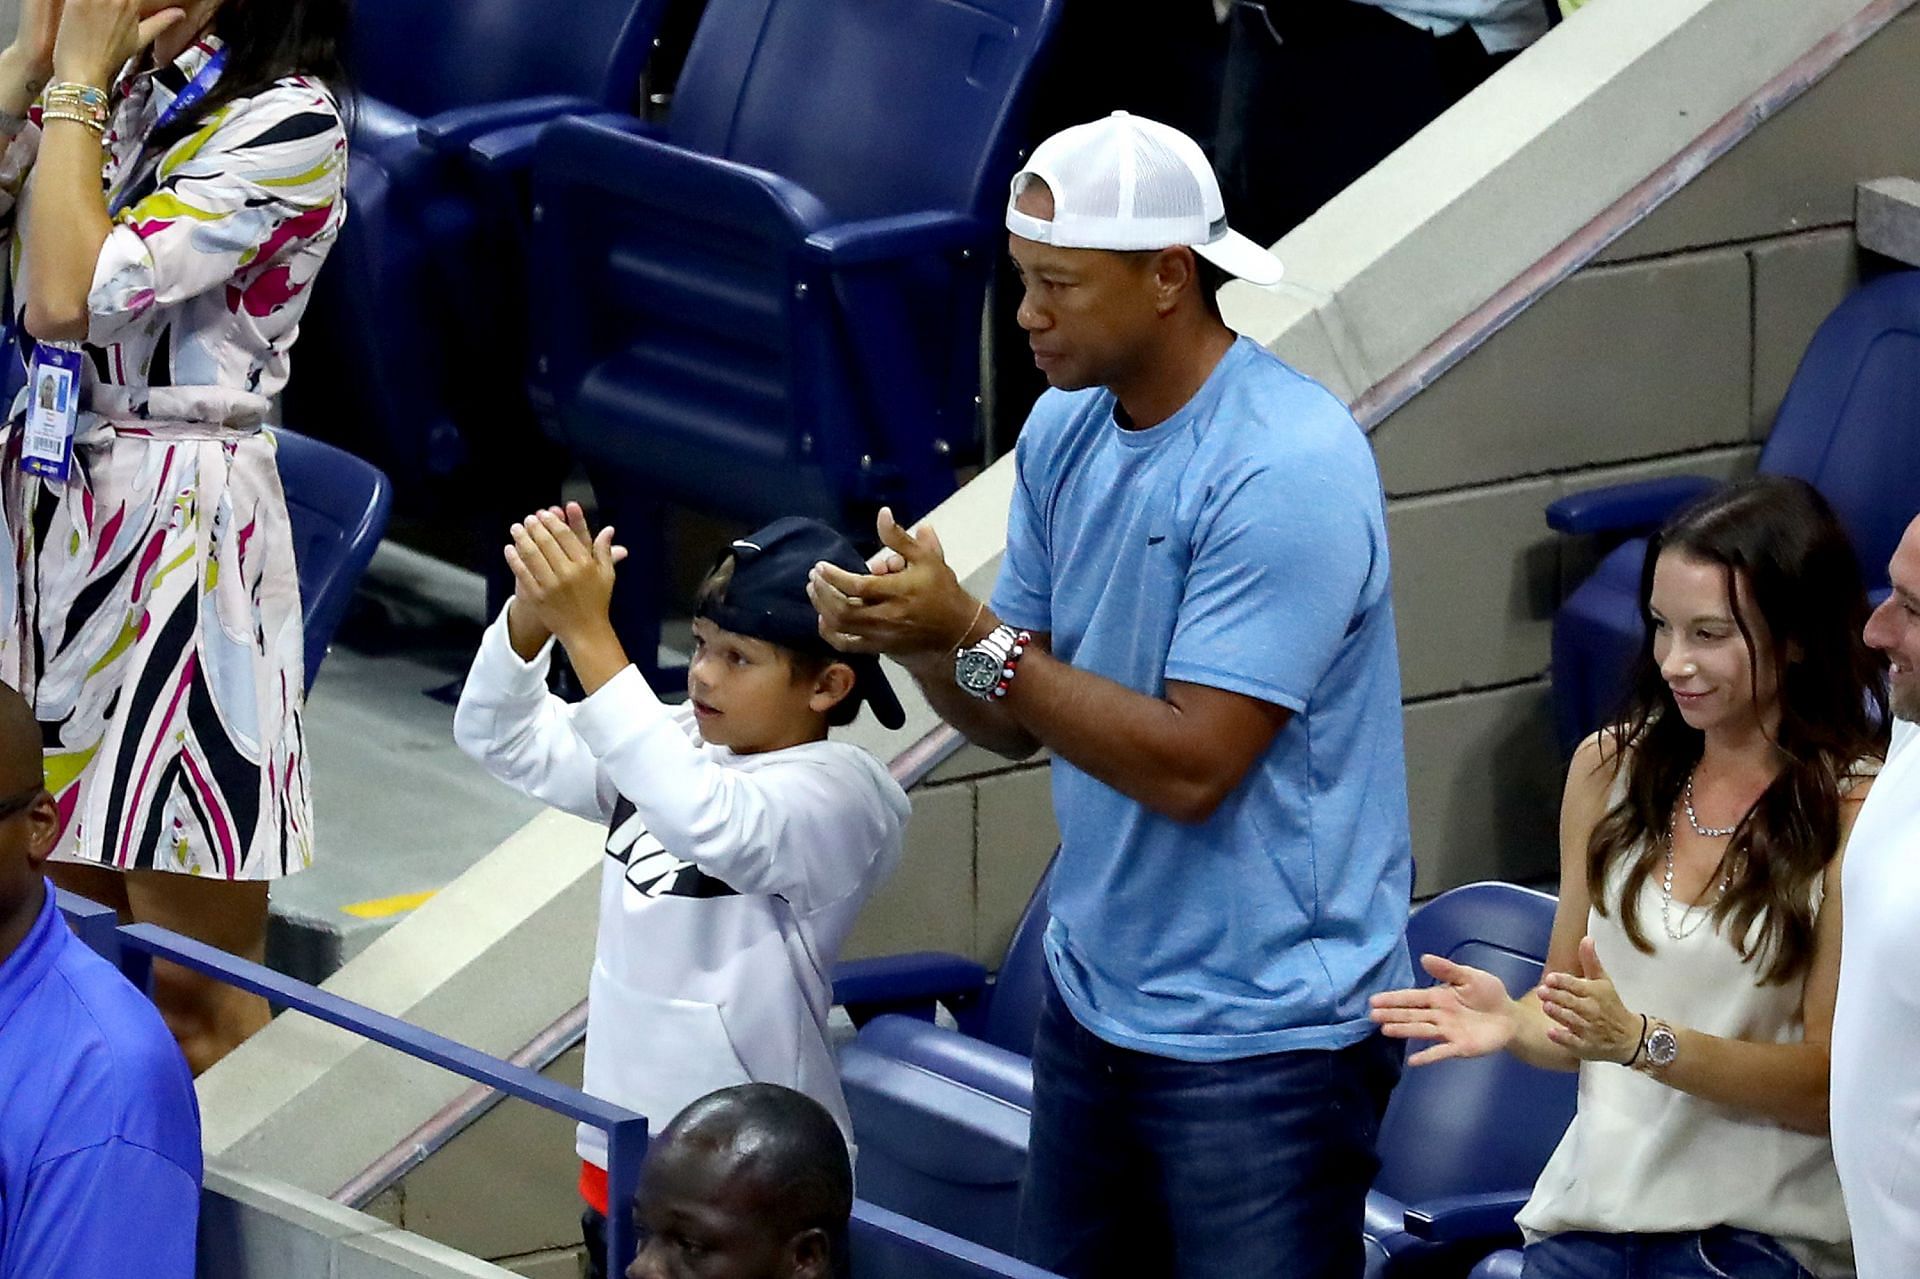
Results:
[1696, 948]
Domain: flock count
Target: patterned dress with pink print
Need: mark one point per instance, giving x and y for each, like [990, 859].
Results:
[149, 607]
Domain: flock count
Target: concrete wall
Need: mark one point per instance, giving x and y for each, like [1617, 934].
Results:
[253, 1227]
[1668, 353]
[503, 1189]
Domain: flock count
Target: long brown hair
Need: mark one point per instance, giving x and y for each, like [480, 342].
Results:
[266, 41]
[1782, 538]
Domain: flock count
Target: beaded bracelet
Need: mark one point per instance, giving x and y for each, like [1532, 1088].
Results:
[98, 126]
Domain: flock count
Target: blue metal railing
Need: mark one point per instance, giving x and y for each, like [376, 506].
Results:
[912, 1247]
[626, 1131]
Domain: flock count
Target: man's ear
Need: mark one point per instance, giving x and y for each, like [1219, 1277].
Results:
[1174, 272]
[831, 687]
[810, 1255]
[43, 828]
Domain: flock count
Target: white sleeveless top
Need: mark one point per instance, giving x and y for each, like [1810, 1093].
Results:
[1642, 1157]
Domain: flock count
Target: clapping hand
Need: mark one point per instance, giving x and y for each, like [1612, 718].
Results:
[1468, 1012]
[1589, 1020]
[562, 574]
[908, 603]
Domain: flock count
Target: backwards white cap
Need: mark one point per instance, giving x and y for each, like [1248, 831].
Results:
[1127, 182]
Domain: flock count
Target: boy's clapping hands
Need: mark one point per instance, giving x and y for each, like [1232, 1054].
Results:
[563, 582]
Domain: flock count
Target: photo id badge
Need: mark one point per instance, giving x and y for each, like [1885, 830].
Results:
[53, 408]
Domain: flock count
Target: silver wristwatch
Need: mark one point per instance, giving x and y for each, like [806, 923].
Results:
[1661, 1050]
[986, 668]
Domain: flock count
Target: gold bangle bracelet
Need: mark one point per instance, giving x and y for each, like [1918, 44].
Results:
[96, 125]
[85, 94]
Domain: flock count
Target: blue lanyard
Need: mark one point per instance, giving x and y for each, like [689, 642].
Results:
[188, 98]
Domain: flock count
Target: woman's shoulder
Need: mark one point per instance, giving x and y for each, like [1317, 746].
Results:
[295, 106]
[1600, 763]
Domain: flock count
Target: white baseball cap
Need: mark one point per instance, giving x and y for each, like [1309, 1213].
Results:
[1130, 183]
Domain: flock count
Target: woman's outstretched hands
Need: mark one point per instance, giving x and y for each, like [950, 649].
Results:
[1467, 1012]
[1589, 1019]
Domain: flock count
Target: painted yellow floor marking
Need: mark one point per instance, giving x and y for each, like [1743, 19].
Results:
[381, 907]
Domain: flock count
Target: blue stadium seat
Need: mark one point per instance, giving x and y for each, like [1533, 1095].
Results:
[940, 1117]
[1464, 1140]
[773, 306]
[412, 350]
[941, 1122]
[1847, 426]
[338, 506]
[1003, 1013]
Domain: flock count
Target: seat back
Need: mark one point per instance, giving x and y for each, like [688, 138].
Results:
[428, 56]
[1850, 424]
[338, 507]
[1012, 1012]
[875, 107]
[941, 1135]
[1467, 1126]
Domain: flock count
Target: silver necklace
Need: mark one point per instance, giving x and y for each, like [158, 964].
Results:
[1687, 912]
[1705, 832]
[1666, 883]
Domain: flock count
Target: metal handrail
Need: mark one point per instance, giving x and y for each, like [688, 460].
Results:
[133, 947]
[626, 1131]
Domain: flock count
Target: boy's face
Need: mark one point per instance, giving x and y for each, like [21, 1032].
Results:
[747, 695]
[699, 1219]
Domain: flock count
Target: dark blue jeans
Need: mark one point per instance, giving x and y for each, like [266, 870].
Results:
[1719, 1253]
[1143, 1165]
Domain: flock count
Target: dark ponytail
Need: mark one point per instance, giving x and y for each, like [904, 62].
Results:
[266, 41]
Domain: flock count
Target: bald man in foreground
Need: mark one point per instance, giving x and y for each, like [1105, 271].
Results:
[100, 1147]
[751, 1182]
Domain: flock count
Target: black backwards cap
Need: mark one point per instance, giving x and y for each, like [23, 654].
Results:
[767, 599]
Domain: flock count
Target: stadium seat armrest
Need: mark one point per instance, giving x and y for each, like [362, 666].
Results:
[1626, 510]
[892, 982]
[508, 151]
[1461, 1218]
[971, 1063]
[904, 235]
[450, 132]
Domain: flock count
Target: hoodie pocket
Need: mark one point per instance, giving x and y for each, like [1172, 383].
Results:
[656, 1054]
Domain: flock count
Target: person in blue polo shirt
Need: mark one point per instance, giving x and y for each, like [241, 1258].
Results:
[1193, 615]
[99, 1129]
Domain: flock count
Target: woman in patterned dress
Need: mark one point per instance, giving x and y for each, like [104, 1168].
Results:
[148, 605]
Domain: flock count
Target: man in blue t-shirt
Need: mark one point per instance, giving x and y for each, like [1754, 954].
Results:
[1193, 615]
[100, 1142]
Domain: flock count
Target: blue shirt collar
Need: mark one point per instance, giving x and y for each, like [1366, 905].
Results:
[24, 970]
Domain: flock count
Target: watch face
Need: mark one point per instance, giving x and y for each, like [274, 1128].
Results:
[976, 671]
[1662, 1046]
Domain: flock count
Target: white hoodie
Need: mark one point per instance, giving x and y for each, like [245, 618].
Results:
[729, 885]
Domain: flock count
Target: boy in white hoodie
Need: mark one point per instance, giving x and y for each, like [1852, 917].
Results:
[742, 843]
